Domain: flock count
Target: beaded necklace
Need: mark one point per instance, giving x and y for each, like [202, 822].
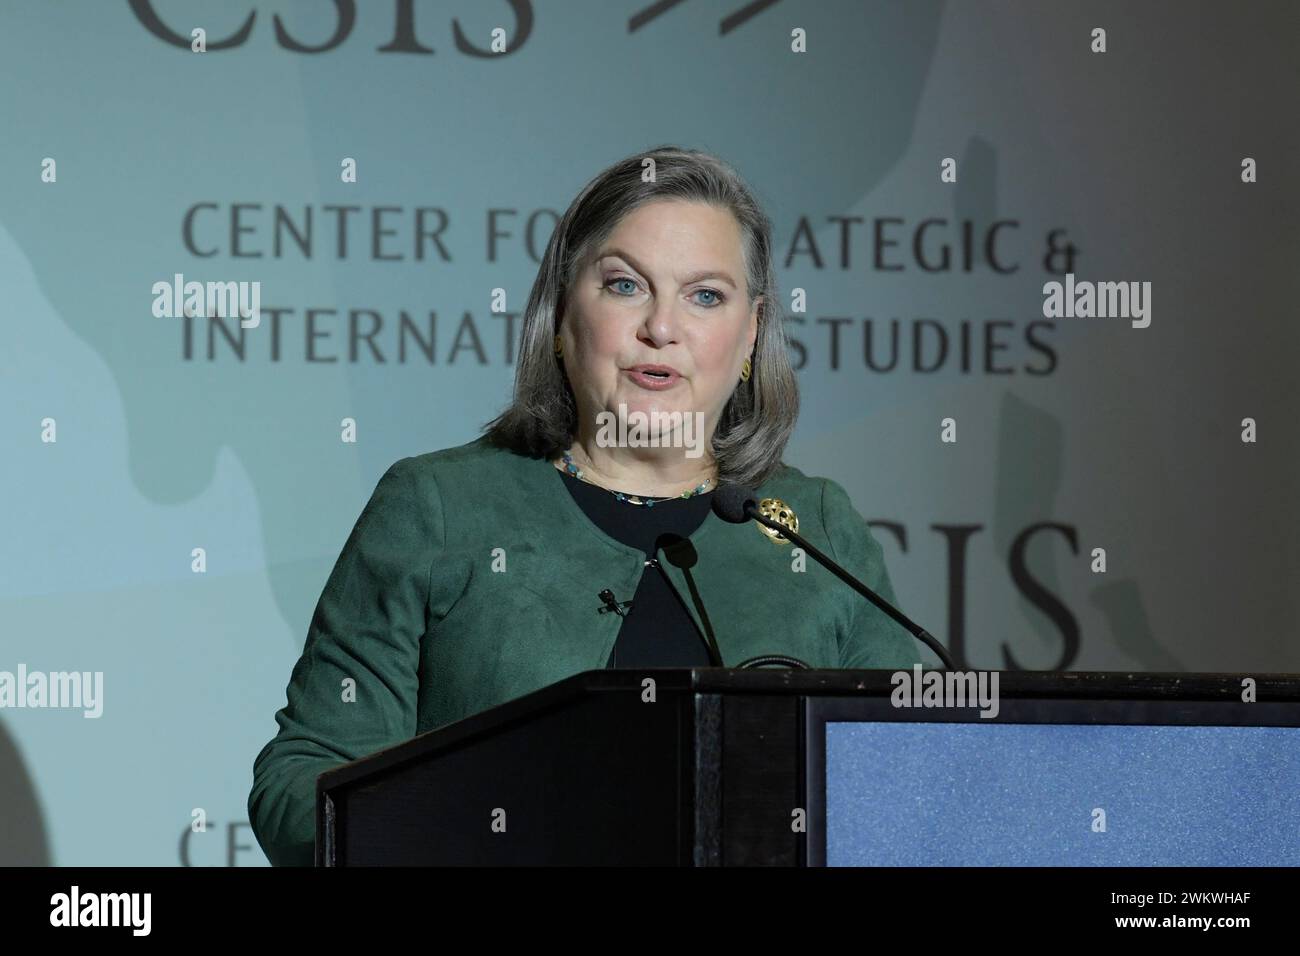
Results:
[645, 500]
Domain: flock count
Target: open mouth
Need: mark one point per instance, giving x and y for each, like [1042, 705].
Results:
[654, 378]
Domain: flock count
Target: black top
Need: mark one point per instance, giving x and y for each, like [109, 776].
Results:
[657, 630]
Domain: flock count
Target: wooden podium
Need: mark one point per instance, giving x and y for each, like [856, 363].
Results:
[712, 766]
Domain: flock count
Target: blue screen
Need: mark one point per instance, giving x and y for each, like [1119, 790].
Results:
[956, 794]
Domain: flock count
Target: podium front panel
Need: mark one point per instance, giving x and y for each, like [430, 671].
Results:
[1055, 783]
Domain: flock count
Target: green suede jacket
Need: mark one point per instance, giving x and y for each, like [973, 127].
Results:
[471, 578]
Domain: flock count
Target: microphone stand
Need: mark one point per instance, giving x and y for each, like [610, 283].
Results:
[920, 633]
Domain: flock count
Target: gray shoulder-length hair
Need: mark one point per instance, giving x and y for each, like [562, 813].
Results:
[757, 420]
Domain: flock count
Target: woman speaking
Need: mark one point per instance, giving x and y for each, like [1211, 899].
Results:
[577, 531]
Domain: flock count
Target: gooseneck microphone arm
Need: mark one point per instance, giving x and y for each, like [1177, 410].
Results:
[735, 504]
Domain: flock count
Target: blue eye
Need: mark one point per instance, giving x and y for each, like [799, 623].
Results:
[617, 279]
[613, 282]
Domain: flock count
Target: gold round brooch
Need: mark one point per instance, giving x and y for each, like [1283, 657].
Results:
[777, 510]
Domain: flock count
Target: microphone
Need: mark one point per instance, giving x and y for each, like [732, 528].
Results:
[618, 607]
[736, 504]
[682, 555]
[732, 503]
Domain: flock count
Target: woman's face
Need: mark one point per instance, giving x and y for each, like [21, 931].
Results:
[667, 288]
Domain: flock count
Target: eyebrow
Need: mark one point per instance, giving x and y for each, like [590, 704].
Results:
[686, 279]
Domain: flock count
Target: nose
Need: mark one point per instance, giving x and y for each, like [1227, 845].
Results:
[662, 325]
